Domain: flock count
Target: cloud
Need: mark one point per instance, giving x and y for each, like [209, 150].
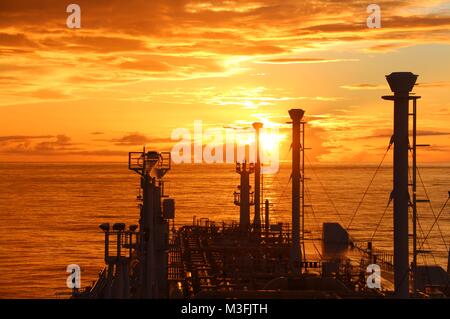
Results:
[386, 47]
[441, 84]
[61, 142]
[135, 42]
[417, 21]
[131, 139]
[368, 86]
[99, 152]
[47, 94]
[304, 60]
[15, 40]
[179, 40]
[364, 86]
[225, 6]
[98, 44]
[387, 133]
[258, 97]
[15, 138]
[49, 144]
[432, 133]
[137, 138]
[146, 65]
[439, 148]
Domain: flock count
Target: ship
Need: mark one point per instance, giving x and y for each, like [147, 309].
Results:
[259, 258]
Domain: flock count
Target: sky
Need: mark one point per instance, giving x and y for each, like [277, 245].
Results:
[137, 70]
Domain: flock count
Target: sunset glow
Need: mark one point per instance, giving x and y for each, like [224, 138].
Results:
[225, 150]
[136, 71]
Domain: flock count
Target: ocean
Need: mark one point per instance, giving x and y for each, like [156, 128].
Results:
[50, 212]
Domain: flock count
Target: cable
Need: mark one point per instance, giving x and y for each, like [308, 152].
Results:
[325, 191]
[432, 210]
[434, 223]
[277, 180]
[381, 219]
[308, 195]
[368, 187]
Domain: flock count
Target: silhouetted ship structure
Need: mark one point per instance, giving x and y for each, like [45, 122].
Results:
[257, 259]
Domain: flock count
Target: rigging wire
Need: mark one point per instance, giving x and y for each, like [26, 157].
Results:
[283, 193]
[417, 216]
[277, 185]
[324, 189]
[423, 235]
[381, 219]
[434, 223]
[308, 195]
[424, 257]
[432, 210]
[368, 187]
[421, 229]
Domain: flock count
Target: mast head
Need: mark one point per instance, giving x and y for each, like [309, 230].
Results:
[155, 164]
[257, 125]
[104, 227]
[296, 114]
[151, 159]
[401, 82]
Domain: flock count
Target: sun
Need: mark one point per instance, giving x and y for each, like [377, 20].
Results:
[270, 141]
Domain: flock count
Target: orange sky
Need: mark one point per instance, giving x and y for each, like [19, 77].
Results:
[136, 70]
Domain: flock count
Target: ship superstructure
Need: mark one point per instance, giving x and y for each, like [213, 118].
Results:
[260, 258]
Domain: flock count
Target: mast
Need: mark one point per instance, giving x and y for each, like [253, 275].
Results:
[153, 223]
[401, 83]
[296, 255]
[257, 219]
[243, 197]
[414, 195]
[302, 187]
[414, 189]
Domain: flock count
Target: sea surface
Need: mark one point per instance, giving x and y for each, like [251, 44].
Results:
[50, 212]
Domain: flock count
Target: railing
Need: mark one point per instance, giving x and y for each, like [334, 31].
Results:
[165, 161]
[161, 162]
[136, 161]
[376, 256]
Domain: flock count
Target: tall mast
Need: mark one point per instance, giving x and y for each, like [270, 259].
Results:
[296, 255]
[414, 202]
[257, 219]
[401, 83]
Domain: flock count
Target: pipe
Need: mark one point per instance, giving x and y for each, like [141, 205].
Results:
[244, 170]
[257, 219]
[296, 116]
[119, 242]
[401, 83]
[106, 246]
